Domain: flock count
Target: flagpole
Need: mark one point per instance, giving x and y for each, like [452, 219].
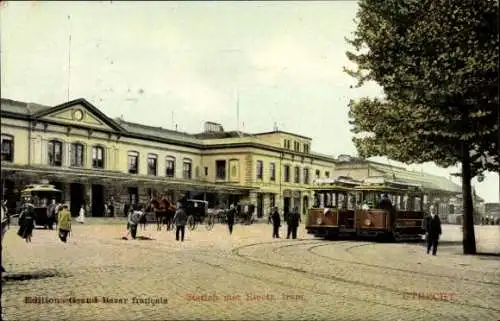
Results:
[69, 57]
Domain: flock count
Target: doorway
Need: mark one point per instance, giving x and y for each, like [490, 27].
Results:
[260, 205]
[133, 195]
[76, 198]
[97, 201]
[286, 205]
[305, 204]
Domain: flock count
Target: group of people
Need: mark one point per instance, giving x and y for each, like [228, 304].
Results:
[292, 220]
[136, 215]
[26, 221]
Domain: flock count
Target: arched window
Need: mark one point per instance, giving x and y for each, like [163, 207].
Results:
[7, 148]
[77, 153]
[97, 157]
[54, 153]
[133, 162]
[170, 166]
[187, 169]
[152, 164]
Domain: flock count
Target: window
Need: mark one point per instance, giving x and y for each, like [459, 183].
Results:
[152, 164]
[286, 173]
[286, 144]
[187, 168]
[170, 167]
[77, 155]
[260, 169]
[220, 169]
[306, 175]
[133, 162]
[97, 157]
[306, 148]
[7, 148]
[55, 153]
[318, 173]
[296, 146]
[327, 174]
[297, 175]
[272, 172]
[206, 171]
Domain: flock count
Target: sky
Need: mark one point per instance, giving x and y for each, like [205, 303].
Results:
[184, 63]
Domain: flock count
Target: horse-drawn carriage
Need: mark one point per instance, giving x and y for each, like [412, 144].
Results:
[198, 213]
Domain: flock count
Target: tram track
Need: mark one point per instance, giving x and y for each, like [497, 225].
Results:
[320, 276]
[245, 259]
[388, 268]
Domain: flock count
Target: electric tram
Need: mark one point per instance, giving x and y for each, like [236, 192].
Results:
[333, 211]
[390, 209]
[374, 208]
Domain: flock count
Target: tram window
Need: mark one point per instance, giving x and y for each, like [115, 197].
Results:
[317, 199]
[418, 204]
[342, 201]
[351, 204]
[328, 200]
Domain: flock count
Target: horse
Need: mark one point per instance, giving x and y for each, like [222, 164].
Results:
[164, 211]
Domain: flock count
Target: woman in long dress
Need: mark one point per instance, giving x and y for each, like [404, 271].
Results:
[27, 223]
[81, 217]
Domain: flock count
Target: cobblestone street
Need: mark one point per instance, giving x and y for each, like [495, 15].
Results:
[246, 276]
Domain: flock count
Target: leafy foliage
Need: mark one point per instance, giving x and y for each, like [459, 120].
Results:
[437, 62]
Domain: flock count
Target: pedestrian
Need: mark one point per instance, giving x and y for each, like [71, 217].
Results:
[51, 214]
[276, 219]
[293, 223]
[27, 222]
[432, 227]
[230, 218]
[134, 218]
[81, 216]
[64, 223]
[180, 220]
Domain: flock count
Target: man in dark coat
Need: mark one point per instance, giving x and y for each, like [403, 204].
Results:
[276, 219]
[180, 220]
[230, 218]
[293, 223]
[432, 227]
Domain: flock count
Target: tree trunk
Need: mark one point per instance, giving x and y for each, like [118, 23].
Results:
[469, 239]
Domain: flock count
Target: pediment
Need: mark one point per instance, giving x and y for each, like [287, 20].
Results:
[80, 113]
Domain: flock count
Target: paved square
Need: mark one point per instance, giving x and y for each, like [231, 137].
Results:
[249, 275]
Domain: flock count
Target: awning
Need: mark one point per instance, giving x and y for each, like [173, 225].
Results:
[115, 177]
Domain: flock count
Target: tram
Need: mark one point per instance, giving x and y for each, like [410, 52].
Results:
[399, 219]
[40, 196]
[333, 211]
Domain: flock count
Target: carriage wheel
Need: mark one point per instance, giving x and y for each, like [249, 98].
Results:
[191, 223]
[210, 223]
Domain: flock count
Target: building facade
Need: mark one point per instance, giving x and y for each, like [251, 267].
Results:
[94, 159]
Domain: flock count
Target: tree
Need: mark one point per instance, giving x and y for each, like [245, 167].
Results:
[437, 62]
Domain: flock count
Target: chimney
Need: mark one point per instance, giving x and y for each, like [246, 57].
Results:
[211, 127]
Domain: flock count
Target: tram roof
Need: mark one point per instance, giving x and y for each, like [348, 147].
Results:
[333, 187]
[40, 188]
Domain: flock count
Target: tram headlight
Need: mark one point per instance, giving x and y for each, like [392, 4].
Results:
[319, 221]
[368, 222]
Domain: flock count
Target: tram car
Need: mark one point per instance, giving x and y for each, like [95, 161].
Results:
[390, 209]
[333, 211]
[40, 196]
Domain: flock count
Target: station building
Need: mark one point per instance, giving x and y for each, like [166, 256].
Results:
[95, 159]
